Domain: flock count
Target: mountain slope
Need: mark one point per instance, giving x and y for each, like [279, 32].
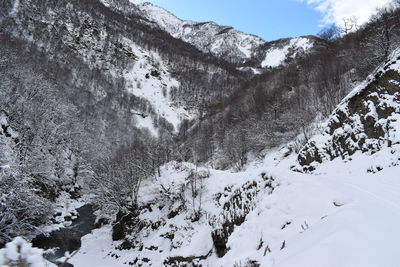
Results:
[222, 41]
[97, 94]
[106, 54]
[345, 218]
[367, 120]
[269, 214]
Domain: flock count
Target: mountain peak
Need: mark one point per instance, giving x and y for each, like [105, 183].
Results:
[221, 41]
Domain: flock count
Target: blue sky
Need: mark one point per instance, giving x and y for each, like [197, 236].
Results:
[273, 19]
[269, 19]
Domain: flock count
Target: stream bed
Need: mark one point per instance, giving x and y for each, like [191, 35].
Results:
[68, 238]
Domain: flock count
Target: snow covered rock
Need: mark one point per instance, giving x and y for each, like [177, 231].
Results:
[367, 120]
[236, 204]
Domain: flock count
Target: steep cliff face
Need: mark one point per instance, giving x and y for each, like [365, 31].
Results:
[367, 120]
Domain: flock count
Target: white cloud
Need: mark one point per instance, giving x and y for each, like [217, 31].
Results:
[335, 11]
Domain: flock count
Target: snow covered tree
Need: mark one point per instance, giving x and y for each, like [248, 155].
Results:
[348, 25]
[21, 209]
[20, 253]
[384, 37]
[235, 148]
[118, 179]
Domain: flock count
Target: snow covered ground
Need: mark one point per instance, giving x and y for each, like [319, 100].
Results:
[343, 216]
[19, 252]
[149, 78]
[340, 216]
[277, 56]
[65, 207]
[344, 213]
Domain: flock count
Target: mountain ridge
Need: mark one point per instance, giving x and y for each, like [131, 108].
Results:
[222, 41]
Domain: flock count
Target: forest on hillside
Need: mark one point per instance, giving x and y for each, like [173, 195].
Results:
[70, 125]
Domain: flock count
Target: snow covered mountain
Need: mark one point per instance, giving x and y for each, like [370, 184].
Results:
[151, 67]
[343, 214]
[120, 105]
[223, 41]
[156, 71]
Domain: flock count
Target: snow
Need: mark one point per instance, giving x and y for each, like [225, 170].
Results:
[246, 50]
[96, 246]
[65, 206]
[162, 17]
[146, 123]
[360, 232]
[15, 7]
[276, 56]
[217, 44]
[20, 250]
[136, 2]
[105, 2]
[187, 30]
[141, 83]
[253, 70]
[372, 110]
[340, 216]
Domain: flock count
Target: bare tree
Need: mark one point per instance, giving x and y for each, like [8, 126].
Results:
[119, 178]
[22, 210]
[383, 37]
[349, 25]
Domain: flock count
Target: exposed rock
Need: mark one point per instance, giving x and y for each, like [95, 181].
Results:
[366, 120]
[237, 205]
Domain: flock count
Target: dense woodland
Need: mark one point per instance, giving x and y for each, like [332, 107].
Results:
[66, 123]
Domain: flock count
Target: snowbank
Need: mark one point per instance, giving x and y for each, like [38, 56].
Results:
[21, 253]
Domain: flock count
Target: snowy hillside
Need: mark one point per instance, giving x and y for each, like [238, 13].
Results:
[97, 42]
[149, 78]
[345, 213]
[367, 120]
[277, 55]
[222, 41]
[270, 216]
[208, 36]
[130, 137]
